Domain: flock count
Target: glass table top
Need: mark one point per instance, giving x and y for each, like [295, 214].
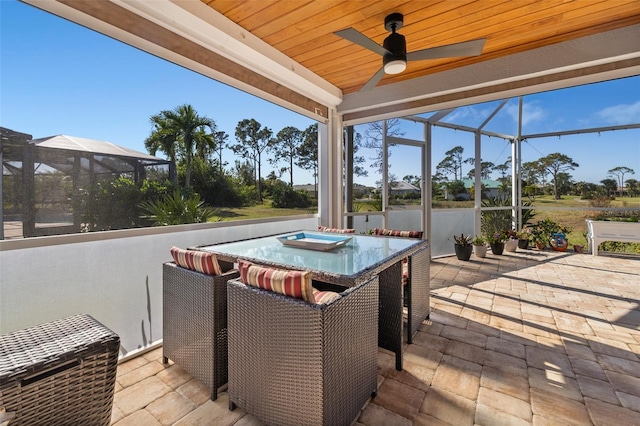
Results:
[361, 253]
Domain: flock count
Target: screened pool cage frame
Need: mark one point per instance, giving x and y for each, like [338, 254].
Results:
[436, 119]
[39, 177]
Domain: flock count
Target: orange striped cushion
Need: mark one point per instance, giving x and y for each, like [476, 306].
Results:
[396, 233]
[290, 283]
[337, 230]
[196, 260]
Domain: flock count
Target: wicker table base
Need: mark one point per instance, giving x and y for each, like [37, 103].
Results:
[59, 373]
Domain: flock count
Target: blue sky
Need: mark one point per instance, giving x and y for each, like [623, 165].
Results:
[59, 78]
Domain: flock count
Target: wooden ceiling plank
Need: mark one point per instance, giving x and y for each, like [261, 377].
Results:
[532, 44]
[448, 64]
[280, 18]
[327, 42]
[306, 34]
[318, 57]
[323, 24]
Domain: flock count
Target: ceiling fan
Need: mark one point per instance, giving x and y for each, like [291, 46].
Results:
[394, 49]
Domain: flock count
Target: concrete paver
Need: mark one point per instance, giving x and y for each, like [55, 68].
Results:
[531, 337]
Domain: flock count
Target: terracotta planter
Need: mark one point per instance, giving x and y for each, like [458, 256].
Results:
[497, 248]
[540, 246]
[480, 251]
[523, 244]
[463, 252]
[511, 244]
[578, 248]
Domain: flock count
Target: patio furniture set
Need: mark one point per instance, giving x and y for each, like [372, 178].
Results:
[294, 331]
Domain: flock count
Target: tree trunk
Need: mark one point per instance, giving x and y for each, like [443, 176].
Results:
[259, 178]
[291, 171]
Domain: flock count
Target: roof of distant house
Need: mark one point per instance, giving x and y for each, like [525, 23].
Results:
[73, 143]
[403, 186]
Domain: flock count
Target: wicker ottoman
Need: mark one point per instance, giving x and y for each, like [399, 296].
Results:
[59, 373]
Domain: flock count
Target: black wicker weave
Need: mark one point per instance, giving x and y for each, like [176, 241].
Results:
[59, 373]
[419, 287]
[295, 363]
[194, 322]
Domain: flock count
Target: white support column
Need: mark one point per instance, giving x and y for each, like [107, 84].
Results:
[426, 183]
[477, 194]
[330, 200]
[516, 162]
[385, 174]
[514, 184]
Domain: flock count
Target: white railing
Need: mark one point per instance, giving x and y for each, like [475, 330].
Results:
[445, 223]
[114, 276]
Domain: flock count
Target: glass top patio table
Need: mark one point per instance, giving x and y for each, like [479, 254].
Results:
[360, 258]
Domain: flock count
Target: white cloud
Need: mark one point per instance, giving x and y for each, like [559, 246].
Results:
[531, 112]
[460, 115]
[621, 114]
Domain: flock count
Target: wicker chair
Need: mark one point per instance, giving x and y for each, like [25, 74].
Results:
[296, 363]
[59, 373]
[194, 324]
[416, 287]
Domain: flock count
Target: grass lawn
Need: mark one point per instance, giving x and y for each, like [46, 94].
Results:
[258, 211]
[574, 219]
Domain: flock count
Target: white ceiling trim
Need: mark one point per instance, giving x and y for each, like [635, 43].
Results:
[201, 24]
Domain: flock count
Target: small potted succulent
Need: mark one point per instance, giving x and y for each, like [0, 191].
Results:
[463, 247]
[496, 242]
[524, 235]
[479, 246]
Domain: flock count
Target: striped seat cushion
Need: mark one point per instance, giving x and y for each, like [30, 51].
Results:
[290, 283]
[396, 233]
[199, 261]
[324, 297]
[405, 271]
[337, 230]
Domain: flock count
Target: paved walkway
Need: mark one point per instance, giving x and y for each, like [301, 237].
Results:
[531, 337]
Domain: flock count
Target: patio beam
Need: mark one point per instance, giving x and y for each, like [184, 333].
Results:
[121, 21]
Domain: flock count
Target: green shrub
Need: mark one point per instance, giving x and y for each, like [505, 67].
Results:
[109, 205]
[493, 221]
[284, 196]
[177, 209]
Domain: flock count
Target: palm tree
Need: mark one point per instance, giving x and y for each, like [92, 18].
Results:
[163, 139]
[180, 132]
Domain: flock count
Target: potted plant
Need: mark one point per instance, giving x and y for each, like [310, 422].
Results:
[479, 246]
[463, 246]
[524, 235]
[541, 232]
[559, 240]
[511, 242]
[496, 242]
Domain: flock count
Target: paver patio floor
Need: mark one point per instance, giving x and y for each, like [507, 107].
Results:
[531, 337]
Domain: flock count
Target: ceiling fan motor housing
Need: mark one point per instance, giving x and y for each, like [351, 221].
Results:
[395, 61]
[397, 47]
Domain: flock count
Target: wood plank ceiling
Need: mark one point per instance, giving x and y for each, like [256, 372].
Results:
[303, 29]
